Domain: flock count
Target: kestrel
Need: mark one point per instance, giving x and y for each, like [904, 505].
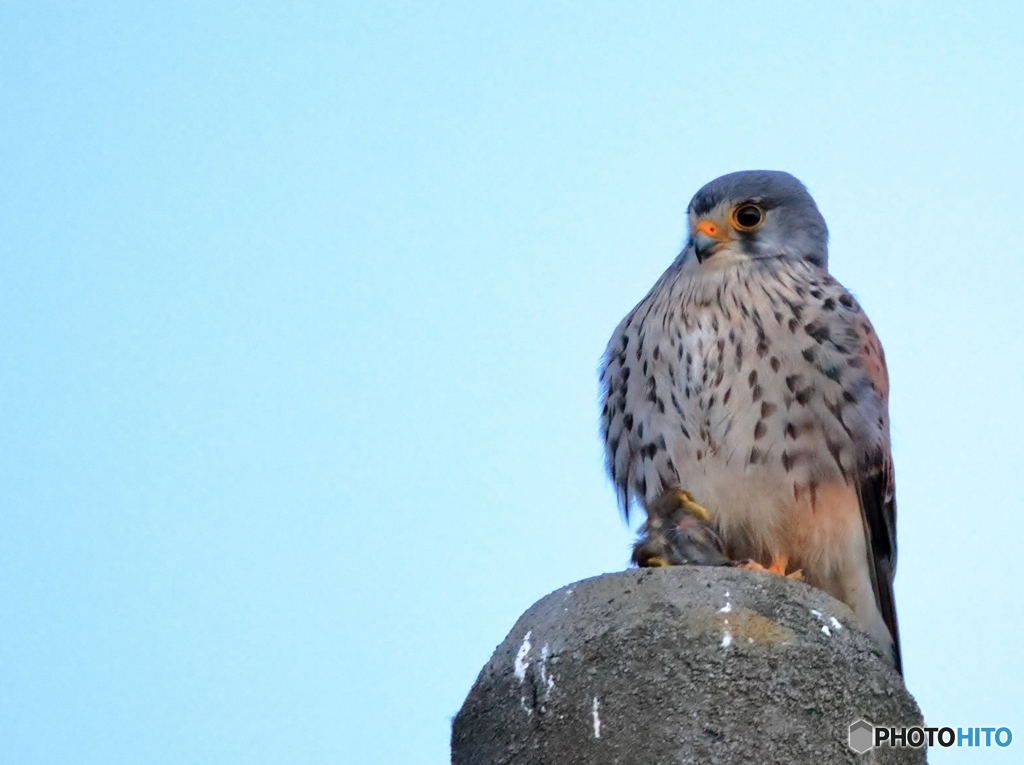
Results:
[745, 404]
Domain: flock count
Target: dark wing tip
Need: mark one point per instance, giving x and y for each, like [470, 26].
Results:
[878, 508]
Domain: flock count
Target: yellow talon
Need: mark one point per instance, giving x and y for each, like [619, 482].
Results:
[656, 562]
[687, 502]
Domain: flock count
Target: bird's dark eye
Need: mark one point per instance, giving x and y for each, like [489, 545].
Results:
[748, 217]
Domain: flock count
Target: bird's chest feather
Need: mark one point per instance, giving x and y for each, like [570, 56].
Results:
[765, 397]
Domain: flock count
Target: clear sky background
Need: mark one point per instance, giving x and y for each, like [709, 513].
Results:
[301, 308]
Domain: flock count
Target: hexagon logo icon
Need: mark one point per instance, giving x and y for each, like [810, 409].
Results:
[862, 736]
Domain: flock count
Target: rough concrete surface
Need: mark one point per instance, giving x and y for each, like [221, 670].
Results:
[688, 664]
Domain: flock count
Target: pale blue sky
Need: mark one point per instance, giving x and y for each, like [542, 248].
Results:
[301, 309]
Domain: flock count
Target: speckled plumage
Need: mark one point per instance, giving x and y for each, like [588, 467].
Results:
[753, 380]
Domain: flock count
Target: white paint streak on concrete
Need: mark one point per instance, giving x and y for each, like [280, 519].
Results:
[545, 678]
[727, 608]
[521, 662]
[832, 621]
[596, 717]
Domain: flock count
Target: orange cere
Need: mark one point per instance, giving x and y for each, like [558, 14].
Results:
[711, 229]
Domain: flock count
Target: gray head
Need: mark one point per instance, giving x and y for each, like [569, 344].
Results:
[754, 215]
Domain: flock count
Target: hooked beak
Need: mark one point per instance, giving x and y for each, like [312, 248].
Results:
[707, 238]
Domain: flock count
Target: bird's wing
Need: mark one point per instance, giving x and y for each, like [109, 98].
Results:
[876, 490]
[616, 424]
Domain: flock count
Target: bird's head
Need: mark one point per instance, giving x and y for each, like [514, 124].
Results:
[754, 215]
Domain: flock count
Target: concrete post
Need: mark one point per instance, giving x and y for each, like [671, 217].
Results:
[683, 665]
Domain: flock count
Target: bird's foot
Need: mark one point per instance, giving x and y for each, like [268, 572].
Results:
[678, 531]
[682, 500]
[655, 561]
[777, 566]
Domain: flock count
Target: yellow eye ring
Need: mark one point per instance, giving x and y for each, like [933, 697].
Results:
[747, 217]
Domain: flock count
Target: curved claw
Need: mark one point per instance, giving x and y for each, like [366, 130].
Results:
[690, 505]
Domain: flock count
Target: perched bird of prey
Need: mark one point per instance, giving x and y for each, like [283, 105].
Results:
[745, 405]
